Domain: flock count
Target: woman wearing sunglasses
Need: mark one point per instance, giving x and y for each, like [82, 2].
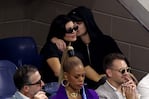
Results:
[91, 43]
[120, 83]
[61, 27]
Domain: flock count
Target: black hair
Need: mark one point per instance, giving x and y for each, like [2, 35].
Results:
[57, 28]
[84, 14]
[22, 75]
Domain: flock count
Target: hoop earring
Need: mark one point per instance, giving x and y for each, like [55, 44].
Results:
[65, 83]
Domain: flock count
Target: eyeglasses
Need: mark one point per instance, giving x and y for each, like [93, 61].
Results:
[38, 82]
[123, 70]
[70, 30]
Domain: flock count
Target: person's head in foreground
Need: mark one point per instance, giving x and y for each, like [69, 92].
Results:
[74, 73]
[120, 82]
[72, 79]
[27, 80]
[116, 68]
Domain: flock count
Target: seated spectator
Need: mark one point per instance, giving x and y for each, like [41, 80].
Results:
[91, 42]
[119, 84]
[64, 28]
[29, 84]
[72, 80]
[143, 87]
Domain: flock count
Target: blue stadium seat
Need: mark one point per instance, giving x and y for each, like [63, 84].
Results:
[7, 87]
[20, 50]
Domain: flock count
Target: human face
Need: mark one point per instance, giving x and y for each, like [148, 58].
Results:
[35, 84]
[119, 71]
[76, 77]
[71, 37]
[82, 28]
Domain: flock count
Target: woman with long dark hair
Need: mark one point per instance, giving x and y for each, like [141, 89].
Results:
[62, 27]
[91, 42]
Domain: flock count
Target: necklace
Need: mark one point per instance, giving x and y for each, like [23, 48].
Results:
[73, 95]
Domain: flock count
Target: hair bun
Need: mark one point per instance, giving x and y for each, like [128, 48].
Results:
[70, 51]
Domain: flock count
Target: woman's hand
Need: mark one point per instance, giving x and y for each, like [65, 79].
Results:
[61, 45]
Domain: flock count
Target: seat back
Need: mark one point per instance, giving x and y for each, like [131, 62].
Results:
[19, 50]
[7, 87]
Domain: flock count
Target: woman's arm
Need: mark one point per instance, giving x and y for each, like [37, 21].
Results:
[55, 65]
[92, 74]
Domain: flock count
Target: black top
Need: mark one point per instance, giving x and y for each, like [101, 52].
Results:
[98, 49]
[50, 50]
[100, 44]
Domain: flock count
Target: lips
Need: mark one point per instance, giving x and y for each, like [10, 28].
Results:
[71, 35]
[80, 85]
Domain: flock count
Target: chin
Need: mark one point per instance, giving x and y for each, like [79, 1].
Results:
[73, 40]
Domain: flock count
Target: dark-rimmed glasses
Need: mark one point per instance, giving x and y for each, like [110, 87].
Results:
[123, 70]
[38, 82]
[70, 30]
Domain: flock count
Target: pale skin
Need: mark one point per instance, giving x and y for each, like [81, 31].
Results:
[129, 88]
[40, 95]
[122, 82]
[34, 91]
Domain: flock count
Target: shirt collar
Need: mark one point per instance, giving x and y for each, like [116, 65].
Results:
[22, 95]
[111, 86]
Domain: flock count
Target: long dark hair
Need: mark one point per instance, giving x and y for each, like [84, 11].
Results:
[57, 28]
[84, 14]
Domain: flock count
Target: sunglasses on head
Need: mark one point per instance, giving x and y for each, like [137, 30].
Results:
[123, 70]
[38, 82]
[70, 30]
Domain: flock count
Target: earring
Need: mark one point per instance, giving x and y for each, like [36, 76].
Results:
[65, 83]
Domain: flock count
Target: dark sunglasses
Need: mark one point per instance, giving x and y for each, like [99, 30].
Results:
[70, 30]
[123, 70]
[38, 82]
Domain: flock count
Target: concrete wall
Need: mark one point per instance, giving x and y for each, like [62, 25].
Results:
[33, 18]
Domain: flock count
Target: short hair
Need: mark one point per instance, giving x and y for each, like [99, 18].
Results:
[22, 75]
[108, 60]
[70, 63]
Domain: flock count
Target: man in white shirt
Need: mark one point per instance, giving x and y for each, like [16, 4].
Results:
[143, 87]
[28, 81]
[119, 84]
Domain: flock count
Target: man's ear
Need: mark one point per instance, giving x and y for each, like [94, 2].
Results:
[109, 72]
[25, 88]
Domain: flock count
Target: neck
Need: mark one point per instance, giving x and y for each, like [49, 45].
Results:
[73, 93]
[26, 94]
[115, 84]
[85, 38]
[72, 90]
